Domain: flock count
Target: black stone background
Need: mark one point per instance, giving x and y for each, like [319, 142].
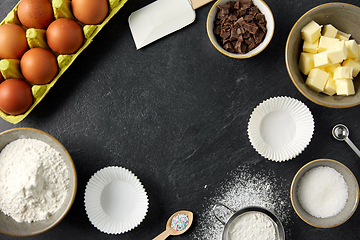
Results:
[175, 113]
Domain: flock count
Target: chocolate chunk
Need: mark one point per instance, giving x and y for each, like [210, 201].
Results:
[239, 26]
[253, 10]
[240, 31]
[224, 9]
[220, 15]
[217, 30]
[225, 34]
[241, 12]
[246, 35]
[250, 40]
[237, 6]
[260, 17]
[241, 47]
[233, 17]
[251, 27]
[233, 35]
[249, 17]
[251, 47]
[231, 4]
[263, 27]
[259, 35]
[229, 47]
[246, 3]
[239, 22]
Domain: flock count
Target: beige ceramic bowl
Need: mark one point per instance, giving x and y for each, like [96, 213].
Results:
[270, 29]
[351, 204]
[7, 224]
[344, 17]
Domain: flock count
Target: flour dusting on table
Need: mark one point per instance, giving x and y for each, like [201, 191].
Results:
[246, 187]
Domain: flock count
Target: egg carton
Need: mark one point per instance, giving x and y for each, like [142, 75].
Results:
[10, 68]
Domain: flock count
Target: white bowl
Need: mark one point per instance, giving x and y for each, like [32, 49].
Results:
[270, 25]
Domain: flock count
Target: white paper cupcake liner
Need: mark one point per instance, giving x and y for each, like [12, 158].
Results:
[280, 128]
[115, 200]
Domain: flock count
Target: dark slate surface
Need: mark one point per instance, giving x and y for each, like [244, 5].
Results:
[175, 113]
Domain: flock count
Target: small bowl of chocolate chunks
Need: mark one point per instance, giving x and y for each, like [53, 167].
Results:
[240, 28]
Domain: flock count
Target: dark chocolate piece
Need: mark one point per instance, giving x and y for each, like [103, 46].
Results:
[251, 27]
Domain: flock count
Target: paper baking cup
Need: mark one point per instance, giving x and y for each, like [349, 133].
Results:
[115, 200]
[280, 128]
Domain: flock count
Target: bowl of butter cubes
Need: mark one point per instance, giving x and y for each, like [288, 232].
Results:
[322, 55]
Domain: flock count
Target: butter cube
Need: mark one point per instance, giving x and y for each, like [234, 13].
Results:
[311, 32]
[352, 63]
[358, 57]
[321, 60]
[317, 79]
[330, 86]
[310, 47]
[331, 68]
[306, 62]
[324, 43]
[337, 52]
[344, 87]
[343, 73]
[329, 31]
[342, 36]
[352, 48]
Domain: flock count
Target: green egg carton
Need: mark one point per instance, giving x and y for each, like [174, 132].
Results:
[10, 68]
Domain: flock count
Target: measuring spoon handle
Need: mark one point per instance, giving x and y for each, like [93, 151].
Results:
[163, 235]
[353, 147]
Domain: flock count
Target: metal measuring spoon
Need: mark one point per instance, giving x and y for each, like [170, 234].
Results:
[341, 133]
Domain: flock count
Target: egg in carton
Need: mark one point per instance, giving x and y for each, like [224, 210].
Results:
[36, 38]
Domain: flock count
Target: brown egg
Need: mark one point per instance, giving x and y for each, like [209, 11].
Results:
[13, 41]
[39, 66]
[64, 36]
[15, 96]
[35, 13]
[90, 12]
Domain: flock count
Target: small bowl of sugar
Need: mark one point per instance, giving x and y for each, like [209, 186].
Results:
[324, 193]
[38, 182]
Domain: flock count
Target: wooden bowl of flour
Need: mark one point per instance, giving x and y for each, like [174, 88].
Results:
[56, 166]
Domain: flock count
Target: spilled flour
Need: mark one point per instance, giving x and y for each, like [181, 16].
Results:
[245, 187]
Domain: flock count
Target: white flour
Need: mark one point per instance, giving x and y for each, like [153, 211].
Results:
[246, 187]
[252, 226]
[33, 180]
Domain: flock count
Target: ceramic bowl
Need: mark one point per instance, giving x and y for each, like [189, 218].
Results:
[350, 206]
[270, 29]
[8, 225]
[344, 17]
